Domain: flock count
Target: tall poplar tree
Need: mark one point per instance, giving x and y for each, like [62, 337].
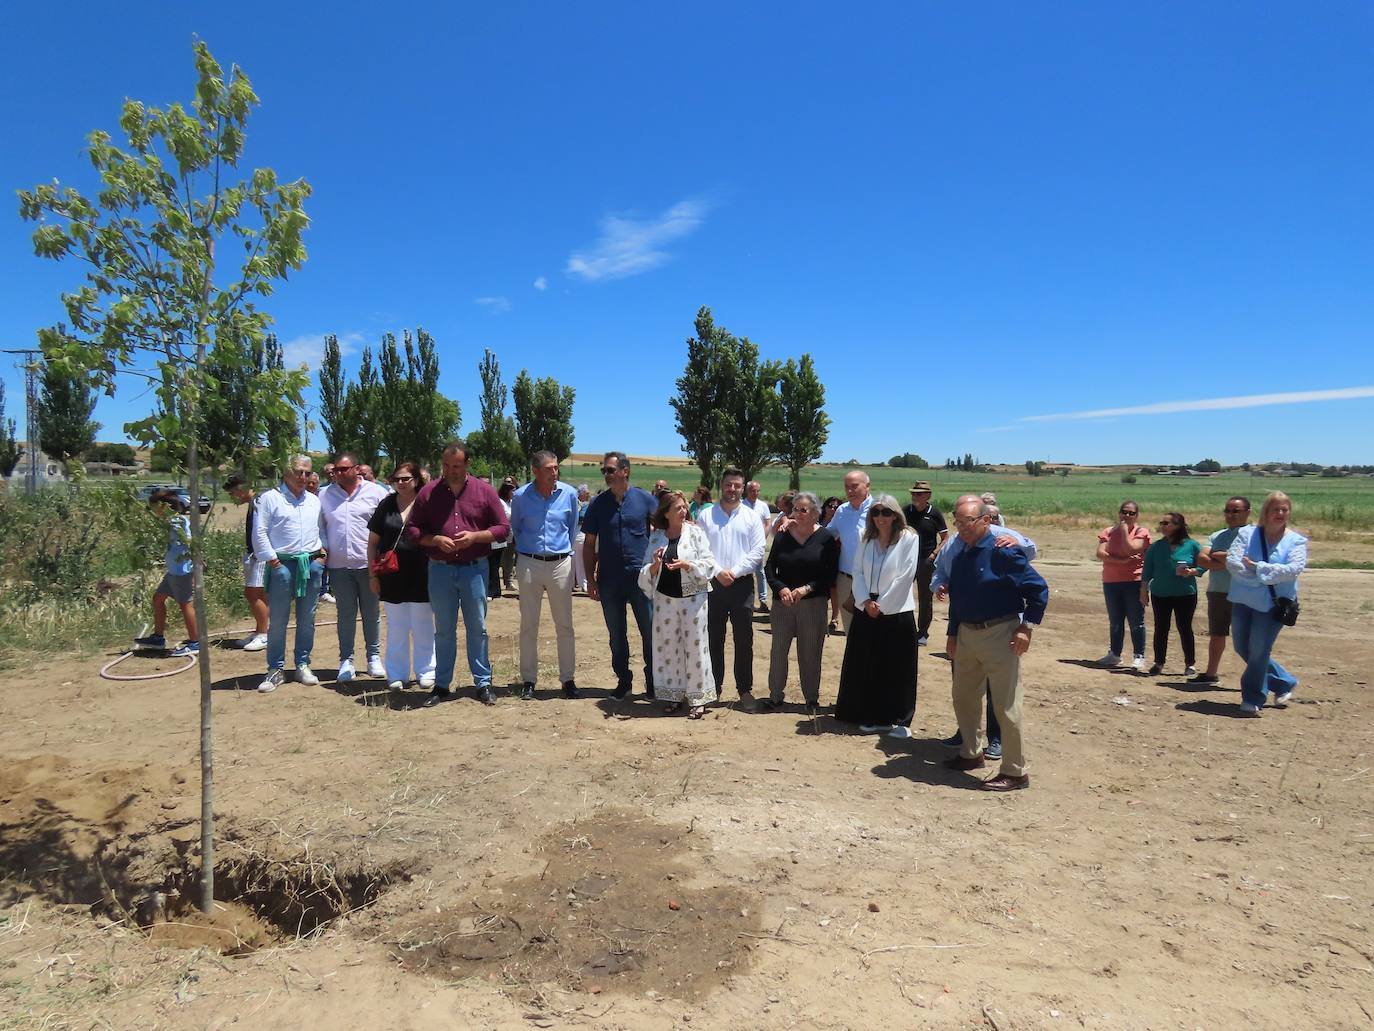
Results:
[802, 425]
[543, 415]
[66, 401]
[704, 398]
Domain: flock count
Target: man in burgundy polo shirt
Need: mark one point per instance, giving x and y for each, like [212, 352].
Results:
[455, 519]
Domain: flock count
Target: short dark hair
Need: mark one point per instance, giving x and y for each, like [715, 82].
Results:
[621, 462]
[235, 482]
[168, 497]
[454, 446]
[346, 454]
[1242, 499]
[730, 470]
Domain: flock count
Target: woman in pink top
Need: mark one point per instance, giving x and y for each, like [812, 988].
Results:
[1121, 550]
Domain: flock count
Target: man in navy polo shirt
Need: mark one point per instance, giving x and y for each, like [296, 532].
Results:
[616, 528]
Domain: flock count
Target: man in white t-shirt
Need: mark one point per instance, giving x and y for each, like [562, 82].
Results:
[752, 499]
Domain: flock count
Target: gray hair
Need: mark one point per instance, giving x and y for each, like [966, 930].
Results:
[301, 459]
[859, 472]
[888, 502]
[587, 487]
[540, 458]
[807, 496]
[621, 462]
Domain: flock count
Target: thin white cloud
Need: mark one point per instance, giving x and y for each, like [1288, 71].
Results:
[308, 350]
[541, 283]
[1212, 404]
[495, 305]
[628, 246]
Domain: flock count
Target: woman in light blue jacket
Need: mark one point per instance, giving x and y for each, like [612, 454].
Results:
[1264, 562]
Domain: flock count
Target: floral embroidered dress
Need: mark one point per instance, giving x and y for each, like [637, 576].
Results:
[682, 658]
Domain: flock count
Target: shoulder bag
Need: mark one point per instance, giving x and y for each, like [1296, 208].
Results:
[1285, 610]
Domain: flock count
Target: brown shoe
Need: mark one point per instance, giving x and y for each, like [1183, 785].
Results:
[961, 763]
[1006, 782]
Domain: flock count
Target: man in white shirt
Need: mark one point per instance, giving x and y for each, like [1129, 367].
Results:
[735, 533]
[848, 525]
[345, 507]
[286, 536]
[752, 499]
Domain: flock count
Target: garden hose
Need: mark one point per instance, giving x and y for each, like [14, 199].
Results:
[191, 660]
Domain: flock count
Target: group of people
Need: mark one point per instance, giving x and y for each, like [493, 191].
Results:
[1252, 575]
[694, 572]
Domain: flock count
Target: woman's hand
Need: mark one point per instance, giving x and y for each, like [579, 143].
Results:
[1144, 596]
[872, 610]
[1249, 562]
[787, 596]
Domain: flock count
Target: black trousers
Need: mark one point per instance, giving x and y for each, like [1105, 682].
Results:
[925, 598]
[1182, 609]
[733, 605]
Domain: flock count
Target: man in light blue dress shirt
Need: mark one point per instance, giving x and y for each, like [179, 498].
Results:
[848, 525]
[543, 518]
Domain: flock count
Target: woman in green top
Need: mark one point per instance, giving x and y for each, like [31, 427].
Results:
[1169, 583]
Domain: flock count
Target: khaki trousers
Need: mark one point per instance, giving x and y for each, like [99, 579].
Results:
[985, 656]
[844, 590]
[536, 579]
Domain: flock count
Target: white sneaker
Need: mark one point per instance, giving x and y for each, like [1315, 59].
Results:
[1281, 700]
[899, 731]
[426, 679]
[1109, 660]
[1246, 709]
[1191, 671]
[395, 685]
[254, 643]
[345, 671]
[304, 676]
[375, 667]
[1138, 664]
[274, 679]
[327, 599]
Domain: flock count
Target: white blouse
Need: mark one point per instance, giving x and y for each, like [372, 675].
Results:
[887, 572]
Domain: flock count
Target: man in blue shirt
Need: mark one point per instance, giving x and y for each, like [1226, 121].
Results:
[994, 598]
[616, 528]
[543, 519]
[848, 525]
[1213, 558]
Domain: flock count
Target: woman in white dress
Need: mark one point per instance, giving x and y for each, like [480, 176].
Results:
[677, 571]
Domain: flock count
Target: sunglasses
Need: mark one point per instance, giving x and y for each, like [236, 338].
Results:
[1127, 511]
[402, 479]
[606, 470]
[882, 513]
[344, 468]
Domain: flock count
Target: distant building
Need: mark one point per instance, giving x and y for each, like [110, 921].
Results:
[49, 469]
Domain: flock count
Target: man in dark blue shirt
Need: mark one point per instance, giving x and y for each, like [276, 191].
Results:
[616, 529]
[995, 595]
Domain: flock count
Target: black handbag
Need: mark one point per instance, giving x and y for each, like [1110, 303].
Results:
[1285, 610]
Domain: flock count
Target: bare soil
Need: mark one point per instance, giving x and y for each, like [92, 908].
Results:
[594, 863]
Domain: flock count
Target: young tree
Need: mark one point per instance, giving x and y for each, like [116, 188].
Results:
[235, 425]
[543, 415]
[9, 444]
[332, 394]
[160, 290]
[496, 448]
[704, 400]
[414, 420]
[65, 404]
[803, 427]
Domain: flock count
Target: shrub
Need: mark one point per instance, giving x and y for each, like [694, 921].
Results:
[1128, 478]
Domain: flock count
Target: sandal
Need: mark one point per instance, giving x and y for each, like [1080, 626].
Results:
[671, 707]
[697, 712]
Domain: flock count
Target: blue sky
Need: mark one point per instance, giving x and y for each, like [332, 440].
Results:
[982, 221]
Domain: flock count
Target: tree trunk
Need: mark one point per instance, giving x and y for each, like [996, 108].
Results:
[794, 478]
[207, 748]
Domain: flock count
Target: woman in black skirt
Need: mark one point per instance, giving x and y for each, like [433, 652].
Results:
[878, 677]
[405, 593]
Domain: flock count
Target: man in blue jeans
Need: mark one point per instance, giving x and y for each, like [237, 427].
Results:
[286, 536]
[616, 529]
[455, 519]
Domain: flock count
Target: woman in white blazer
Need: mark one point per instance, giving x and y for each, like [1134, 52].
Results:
[676, 575]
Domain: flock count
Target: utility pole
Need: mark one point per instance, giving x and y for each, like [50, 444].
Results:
[31, 368]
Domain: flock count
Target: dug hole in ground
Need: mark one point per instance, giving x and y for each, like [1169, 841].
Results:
[594, 863]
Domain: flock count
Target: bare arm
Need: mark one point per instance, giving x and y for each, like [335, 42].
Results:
[589, 564]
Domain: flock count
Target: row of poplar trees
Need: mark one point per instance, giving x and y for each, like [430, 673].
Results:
[732, 409]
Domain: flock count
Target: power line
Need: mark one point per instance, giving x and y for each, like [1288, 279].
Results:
[31, 369]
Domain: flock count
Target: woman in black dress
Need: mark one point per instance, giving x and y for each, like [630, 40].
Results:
[800, 569]
[878, 677]
[404, 593]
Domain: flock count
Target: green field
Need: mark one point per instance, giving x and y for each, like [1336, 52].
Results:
[1090, 497]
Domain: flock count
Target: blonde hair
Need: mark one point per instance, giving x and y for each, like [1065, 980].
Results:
[1274, 499]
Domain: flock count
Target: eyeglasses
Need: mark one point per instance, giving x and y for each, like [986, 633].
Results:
[344, 468]
[967, 522]
[882, 513]
[606, 470]
[402, 479]
[299, 472]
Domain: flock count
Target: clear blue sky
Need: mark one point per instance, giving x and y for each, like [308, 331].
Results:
[971, 216]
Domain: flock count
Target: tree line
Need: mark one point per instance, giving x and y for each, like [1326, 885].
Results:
[731, 409]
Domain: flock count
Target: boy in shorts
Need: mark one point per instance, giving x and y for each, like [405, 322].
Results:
[176, 581]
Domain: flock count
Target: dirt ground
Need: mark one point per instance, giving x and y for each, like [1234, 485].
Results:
[565, 863]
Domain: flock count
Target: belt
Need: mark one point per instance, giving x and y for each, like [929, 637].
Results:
[850, 575]
[545, 558]
[992, 622]
[458, 562]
